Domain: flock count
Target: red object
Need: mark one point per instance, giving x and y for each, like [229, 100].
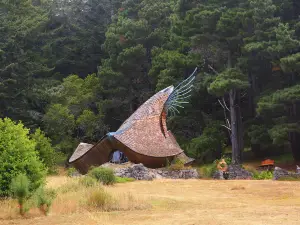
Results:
[267, 162]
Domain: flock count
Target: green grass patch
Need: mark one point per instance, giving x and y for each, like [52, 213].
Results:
[124, 179]
[289, 178]
[264, 175]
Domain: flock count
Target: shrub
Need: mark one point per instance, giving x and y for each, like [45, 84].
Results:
[104, 175]
[264, 175]
[88, 181]
[208, 170]
[18, 155]
[20, 191]
[177, 164]
[124, 179]
[44, 199]
[71, 171]
[45, 150]
[227, 159]
[99, 198]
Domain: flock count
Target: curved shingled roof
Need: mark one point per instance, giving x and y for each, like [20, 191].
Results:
[145, 130]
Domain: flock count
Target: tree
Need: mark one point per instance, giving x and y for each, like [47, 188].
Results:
[75, 112]
[44, 148]
[18, 155]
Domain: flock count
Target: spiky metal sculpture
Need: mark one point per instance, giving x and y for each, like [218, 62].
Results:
[179, 95]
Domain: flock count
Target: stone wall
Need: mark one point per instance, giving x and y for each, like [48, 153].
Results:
[140, 172]
[279, 172]
[236, 172]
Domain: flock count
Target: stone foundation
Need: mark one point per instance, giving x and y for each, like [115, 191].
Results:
[140, 172]
[279, 172]
[236, 172]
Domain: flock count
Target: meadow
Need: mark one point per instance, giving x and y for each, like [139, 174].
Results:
[175, 202]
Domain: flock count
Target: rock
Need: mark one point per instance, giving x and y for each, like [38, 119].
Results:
[140, 172]
[218, 175]
[236, 172]
[297, 169]
[75, 174]
[279, 172]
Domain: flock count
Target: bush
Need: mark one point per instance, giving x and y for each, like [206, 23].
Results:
[104, 175]
[18, 155]
[88, 181]
[177, 164]
[264, 175]
[208, 170]
[99, 198]
[44, 149]
[227, 159]
[71, 171]
[44, 199]
[124, 179]
[20, 191]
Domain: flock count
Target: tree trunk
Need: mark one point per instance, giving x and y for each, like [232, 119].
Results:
[255, 148]
[235, 122]
[295, 145]
[294, 137]
[236, 127]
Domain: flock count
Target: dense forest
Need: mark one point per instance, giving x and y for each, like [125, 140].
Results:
[77, 69]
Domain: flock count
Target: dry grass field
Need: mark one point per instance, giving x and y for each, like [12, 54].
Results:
[174, 202]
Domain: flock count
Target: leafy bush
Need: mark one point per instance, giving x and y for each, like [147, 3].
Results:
[124, 179]
[88, 181]
[20, 191]
[227, 160]
[44, 149]
[44, 199]
[99, 198]
[208, 170]
[210, 140]
[264, 175]
[18, 155]
[104, 175]
[71, 171]
[177, 164]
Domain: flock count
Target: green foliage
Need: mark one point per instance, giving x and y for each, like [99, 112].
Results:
[20, 190]
[124, 179]
[177, 164]
[44, 149]
[18, 155]
[105, 175]
[44, 199]
[231, 78]
[71, 115]
[207, 171]
[88, 181]
[210, 141]
[264, 175]
[138, 47]
[227, 159]
[71, 171]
